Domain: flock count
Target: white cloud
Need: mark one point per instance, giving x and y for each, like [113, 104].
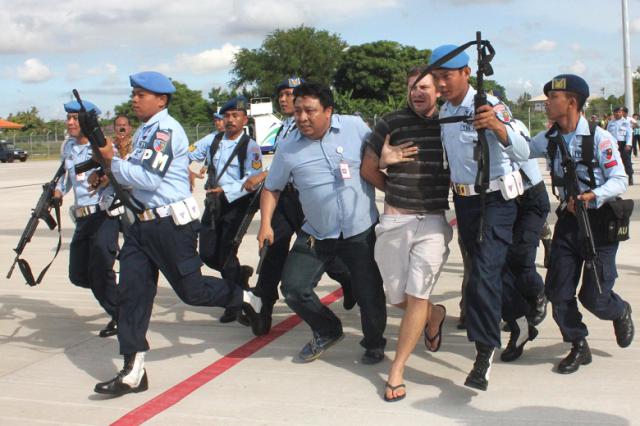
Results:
[76, 72]
[34, 71]
[544, 46]
[209, 60]
[74, 25]
[578, 67]
[576, 47]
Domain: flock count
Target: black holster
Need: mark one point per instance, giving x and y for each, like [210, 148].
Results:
[610, 223]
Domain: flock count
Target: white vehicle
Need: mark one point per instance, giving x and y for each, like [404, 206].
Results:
[264, 124]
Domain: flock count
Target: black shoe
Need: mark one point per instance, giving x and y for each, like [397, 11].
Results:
[317, 346]
[623, 327]
[521, 333]
[538, 310]
[478, 378]
[546, 243]
[251, 306]
[230, 315]
[110, 330]
[265, 315]
[126, 381]
[372, 356]
[579, 355]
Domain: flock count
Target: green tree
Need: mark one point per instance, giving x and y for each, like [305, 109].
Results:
[30, 119]
[302, 51]
[377, 70]
[187, 106]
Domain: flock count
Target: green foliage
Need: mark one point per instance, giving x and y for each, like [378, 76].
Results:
[30, 119]
[377, 70]
[345, 103]
[302, 51]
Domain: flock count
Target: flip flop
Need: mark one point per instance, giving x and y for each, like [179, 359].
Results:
[393, 389]
[428, 340]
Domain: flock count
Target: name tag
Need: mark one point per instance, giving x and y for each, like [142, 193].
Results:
[81, 177]
[345, 172]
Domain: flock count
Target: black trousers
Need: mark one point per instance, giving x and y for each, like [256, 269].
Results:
[626, 159]
[219, 226]
[91, 257]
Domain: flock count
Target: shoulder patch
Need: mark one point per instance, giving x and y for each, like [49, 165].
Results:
[610, 164]
[605, 144]
[192, 148]
[502, 112]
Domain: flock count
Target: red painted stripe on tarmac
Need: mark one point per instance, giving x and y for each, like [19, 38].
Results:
[454, 221]
[175, 394]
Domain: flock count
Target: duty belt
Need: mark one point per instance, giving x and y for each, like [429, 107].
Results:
[465, 190]
[154, 213]
[537, 188]
[84, 211]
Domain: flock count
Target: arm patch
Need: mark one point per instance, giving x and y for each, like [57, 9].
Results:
[503, 113]
[158, 153]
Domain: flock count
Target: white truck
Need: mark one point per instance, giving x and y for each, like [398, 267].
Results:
[263, 123]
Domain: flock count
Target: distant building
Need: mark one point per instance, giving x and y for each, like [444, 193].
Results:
[537, 102]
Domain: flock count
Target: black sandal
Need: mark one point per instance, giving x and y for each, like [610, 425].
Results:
[393, 389]
[428, 340]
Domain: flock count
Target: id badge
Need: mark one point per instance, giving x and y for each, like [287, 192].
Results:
[345, 172]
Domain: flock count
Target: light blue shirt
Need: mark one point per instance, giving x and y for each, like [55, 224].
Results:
[201, 148]
[74, 153]
[157, 169]
[621, 130]
[460, 138]
[231, 181]
[288, 126]
[610, 178]
[332, 205]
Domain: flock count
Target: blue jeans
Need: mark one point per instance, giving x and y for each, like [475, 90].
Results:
[304, 267]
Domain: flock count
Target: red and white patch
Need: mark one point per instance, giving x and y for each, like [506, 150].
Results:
[163, 136]
[610, 164]
[502, 112]
[605, 144]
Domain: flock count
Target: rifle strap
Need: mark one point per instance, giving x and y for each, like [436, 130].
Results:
[243, 142]
[24, 265]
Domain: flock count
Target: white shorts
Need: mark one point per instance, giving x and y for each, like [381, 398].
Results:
[411, 250]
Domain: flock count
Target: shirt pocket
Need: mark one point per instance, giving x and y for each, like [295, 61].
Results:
[468, 137]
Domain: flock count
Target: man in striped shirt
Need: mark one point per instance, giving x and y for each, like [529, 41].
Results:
[413, 234]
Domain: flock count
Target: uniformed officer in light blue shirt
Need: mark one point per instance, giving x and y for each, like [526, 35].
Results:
[164, 236]
[233, 160]
[621, 129]
[93, 248]
[566, 95]
[490, 286]
[322, 159]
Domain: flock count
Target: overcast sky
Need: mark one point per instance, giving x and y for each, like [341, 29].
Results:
[49, 47]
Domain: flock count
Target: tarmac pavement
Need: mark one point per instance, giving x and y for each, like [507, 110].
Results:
[202, 372]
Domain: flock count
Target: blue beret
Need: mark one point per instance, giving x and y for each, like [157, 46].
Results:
[74, 106]
[289, 83]
[238, 103]
[217, 116]
[461, 60]
[568, 83]
[152, 81]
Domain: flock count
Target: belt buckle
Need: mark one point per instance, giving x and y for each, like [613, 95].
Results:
[146, 215]
[460, 189]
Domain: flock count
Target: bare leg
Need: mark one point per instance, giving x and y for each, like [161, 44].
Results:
[411, 328]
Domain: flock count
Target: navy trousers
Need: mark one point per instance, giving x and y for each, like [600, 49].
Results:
[491, 292]
[162, 246]
[563, 277]
[92, 254]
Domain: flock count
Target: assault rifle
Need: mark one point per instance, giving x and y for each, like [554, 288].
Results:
[252, 208]
[572, 190]
[90, 127]
[481, 151]
[42, 211]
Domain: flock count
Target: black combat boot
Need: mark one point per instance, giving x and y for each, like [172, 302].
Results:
[623, 327]
[538, 309]
[579, 355]
[132, 378]
[521, 333]
[266, 312]
[478, 378]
